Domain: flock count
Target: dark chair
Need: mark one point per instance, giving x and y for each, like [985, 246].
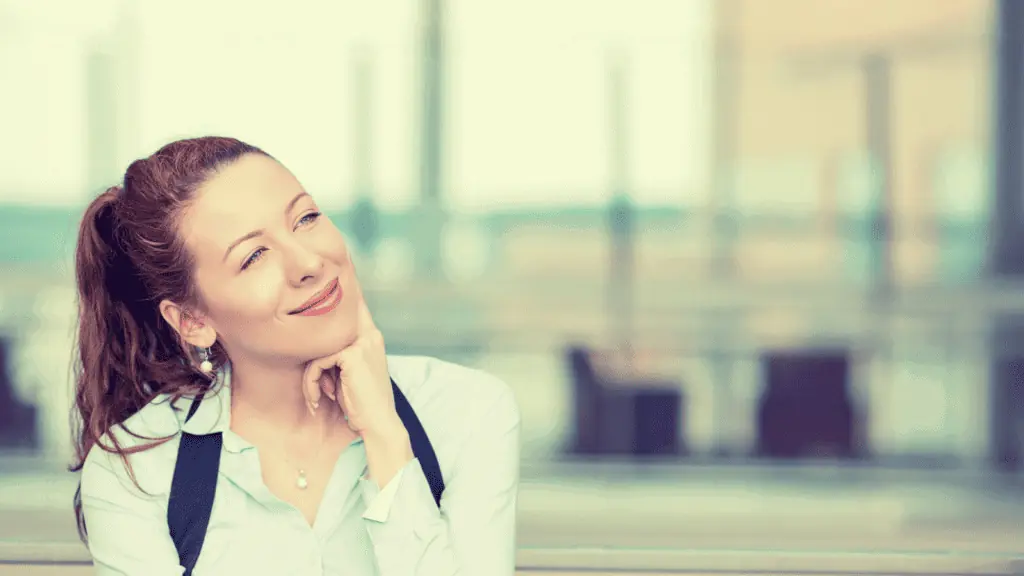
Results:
[622, 418]
[587, 400]
[806, 409]
[1007, 442]
[656, 416]
[17, 419]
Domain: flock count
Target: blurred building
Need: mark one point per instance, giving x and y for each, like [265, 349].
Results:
[831, 110]
[852, 152]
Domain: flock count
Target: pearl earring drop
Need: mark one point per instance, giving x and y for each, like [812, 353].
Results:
[205, 365]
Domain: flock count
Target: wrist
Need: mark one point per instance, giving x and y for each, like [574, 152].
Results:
[386, 433]
[388, 450]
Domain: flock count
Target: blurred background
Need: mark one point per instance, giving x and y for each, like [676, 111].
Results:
[751, 267]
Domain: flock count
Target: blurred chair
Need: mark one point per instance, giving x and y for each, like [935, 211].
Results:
[806, 409]
[615, 416]
[17, 419]
[1008, 412]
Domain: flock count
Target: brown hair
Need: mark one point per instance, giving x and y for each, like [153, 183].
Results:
[129, 258]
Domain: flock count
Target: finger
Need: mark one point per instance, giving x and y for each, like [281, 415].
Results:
[311, 381]
[306, 396]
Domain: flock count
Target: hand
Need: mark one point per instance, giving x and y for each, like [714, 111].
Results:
[357, 379]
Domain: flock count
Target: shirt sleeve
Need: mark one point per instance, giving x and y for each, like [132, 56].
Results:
[127, 529]
[379, 501]
[474, 532]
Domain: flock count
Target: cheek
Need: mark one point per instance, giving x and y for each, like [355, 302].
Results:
[332, 242]
[243, 304]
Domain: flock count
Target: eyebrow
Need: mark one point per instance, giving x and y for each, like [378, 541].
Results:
[260, 232]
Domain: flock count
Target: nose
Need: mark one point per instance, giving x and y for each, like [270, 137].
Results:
[304, 264]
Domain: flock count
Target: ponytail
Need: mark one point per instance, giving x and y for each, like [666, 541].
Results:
[122, 342]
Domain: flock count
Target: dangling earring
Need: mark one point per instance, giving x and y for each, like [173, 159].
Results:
[205, 366]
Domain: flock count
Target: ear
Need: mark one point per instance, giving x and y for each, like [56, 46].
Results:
[192, 327]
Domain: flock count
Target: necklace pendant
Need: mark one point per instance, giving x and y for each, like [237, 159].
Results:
[301, 481]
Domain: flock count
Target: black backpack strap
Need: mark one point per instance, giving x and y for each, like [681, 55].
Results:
[421, 446]
[193, 488]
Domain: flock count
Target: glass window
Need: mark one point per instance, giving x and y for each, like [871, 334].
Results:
[962, 192]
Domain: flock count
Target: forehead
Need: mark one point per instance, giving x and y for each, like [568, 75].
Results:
[237, 199]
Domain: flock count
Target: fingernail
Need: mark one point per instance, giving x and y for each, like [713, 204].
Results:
[330, 394]
[312, 409]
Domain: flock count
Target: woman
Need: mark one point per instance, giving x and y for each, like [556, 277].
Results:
[216, 301]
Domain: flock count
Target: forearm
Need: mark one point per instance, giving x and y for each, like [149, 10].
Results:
[388, 450]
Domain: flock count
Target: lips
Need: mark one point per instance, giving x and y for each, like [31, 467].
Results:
[318, 298]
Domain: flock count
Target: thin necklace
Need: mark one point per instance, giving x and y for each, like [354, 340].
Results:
[301, 480]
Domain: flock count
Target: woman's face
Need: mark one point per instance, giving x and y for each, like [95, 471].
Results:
[274, 274]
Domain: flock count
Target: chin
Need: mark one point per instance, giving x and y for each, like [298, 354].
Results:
[329, 342]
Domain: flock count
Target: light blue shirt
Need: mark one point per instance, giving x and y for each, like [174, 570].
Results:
[473, 423]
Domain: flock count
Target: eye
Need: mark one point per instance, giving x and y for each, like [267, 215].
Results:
[253, 258]
[309, 218]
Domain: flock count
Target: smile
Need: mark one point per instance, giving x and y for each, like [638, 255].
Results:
[322, 302]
